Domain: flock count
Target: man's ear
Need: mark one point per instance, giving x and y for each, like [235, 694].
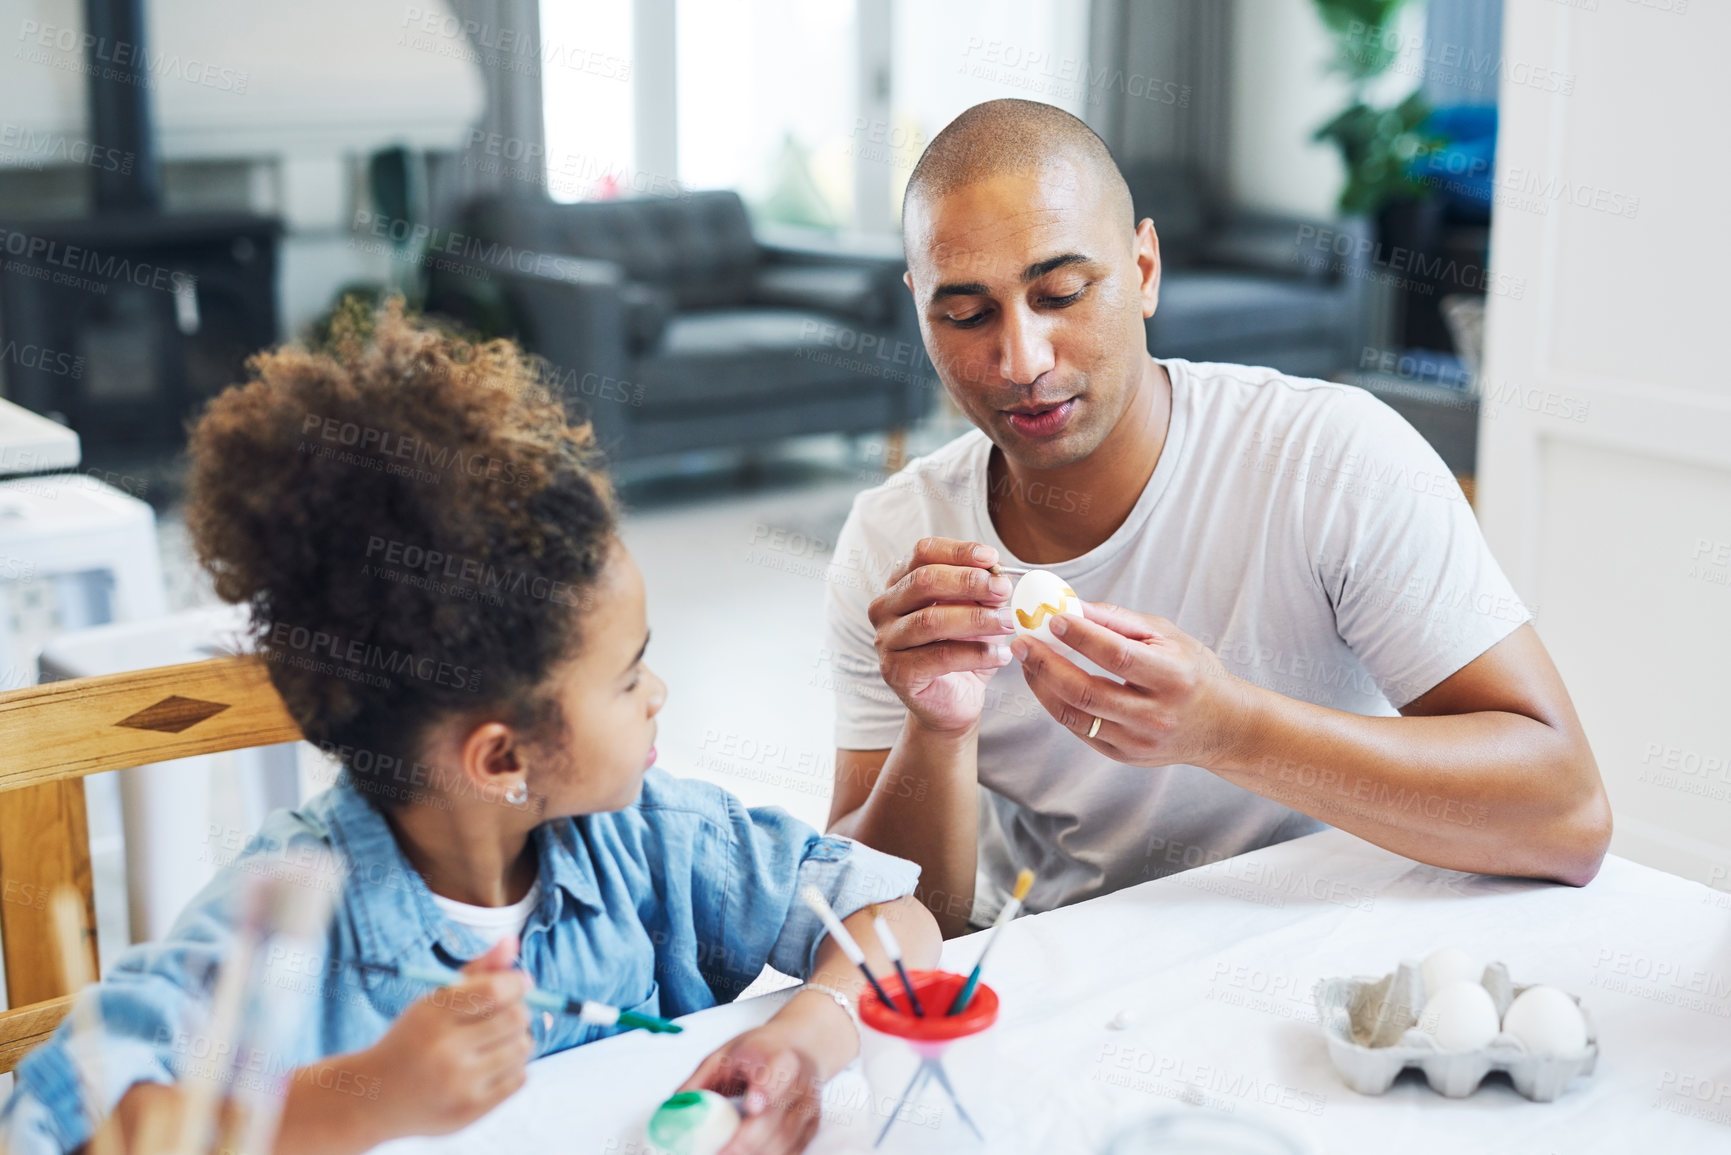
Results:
[908, 280]
[491, 759]
[1148, 264]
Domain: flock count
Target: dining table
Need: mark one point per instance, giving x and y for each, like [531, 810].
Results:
[1193, 995]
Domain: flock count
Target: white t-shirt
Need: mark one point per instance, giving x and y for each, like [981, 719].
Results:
[492, 923]
[1301, 529]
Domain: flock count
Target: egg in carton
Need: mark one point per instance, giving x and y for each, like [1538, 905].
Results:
[1372, 1030]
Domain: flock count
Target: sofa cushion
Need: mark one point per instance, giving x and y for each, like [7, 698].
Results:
[847, 290]
[1269, 249]
[647, 310]
[699, 246]
[1209, 307]
[712, 256]
[1172, 195]
[727, 357]
[618, 231]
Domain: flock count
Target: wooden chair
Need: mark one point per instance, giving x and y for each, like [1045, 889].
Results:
[53, 735]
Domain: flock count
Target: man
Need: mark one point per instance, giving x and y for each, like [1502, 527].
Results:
[1312, 627]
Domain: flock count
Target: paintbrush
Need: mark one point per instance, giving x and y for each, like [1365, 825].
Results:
[586, 1010]
[1024, 881]
[66, 907]
[820, 906]
[1010, 570]
[893, 948]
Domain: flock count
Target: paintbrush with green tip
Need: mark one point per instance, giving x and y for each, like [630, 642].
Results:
[1024, 882]
[585, 1010]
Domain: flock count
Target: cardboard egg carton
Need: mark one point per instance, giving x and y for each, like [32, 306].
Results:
[1372, 1031]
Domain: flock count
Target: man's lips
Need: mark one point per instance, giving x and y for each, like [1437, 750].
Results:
[1042, 421]
[649, 759]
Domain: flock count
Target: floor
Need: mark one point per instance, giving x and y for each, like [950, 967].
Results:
[733, 555]
[737, 629]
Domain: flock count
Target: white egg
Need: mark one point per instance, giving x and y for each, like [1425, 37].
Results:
[1450, 964]
[692, 1123]
[1547, 1022]
[1040, 596]
[1460, 1016]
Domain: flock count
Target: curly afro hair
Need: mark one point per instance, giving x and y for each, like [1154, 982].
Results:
[414, 523]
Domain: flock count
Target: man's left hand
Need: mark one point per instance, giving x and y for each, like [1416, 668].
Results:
[1175, 703]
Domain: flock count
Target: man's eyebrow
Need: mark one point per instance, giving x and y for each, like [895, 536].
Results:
[1040, 268]
[1033, 272]
[640, 653]
[968, 289]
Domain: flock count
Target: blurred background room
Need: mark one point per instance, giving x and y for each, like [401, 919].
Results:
[1502, 220]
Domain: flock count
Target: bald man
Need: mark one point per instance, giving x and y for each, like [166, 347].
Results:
[1291, 616]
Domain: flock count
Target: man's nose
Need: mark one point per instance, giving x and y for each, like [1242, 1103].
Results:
[1026, 351]
[658, 696]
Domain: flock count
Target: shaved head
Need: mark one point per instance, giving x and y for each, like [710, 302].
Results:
[1032, 280]
[1017, 136]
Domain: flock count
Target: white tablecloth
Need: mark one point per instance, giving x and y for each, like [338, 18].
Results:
[1215, 967]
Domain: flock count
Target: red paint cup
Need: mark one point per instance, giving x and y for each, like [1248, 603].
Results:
[933, 1079]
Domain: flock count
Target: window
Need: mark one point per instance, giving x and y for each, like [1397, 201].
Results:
[587, 78]
[767, 100]
[949, 57]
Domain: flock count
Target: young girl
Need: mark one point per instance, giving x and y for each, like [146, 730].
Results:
[431, 558]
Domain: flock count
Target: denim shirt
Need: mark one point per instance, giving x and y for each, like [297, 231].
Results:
[669, 906]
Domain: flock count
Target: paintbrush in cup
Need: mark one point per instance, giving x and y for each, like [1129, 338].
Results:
[893, 948]
[1024, 881]
[820, 906]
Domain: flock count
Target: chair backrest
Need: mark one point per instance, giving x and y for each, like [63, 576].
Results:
[54, 734]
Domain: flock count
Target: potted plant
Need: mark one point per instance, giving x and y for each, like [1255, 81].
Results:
[1377, 144]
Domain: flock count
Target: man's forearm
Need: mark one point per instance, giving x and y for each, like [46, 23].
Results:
[1492, 792]
[924, 807]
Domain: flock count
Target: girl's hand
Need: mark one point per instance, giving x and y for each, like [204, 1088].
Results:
[782, 1087]
[456, 1053]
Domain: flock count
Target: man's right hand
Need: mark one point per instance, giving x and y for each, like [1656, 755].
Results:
[942, 632]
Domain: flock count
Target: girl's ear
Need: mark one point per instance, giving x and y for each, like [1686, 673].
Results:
[491, 758]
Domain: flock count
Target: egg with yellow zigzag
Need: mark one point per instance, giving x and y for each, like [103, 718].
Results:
[1039, 597]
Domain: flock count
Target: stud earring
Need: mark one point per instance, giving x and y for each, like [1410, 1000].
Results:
[518, 793]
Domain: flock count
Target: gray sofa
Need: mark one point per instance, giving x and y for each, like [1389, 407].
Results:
[674, 327]
[1253, 288]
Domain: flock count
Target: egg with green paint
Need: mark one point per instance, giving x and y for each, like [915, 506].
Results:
[692, 1123]
[1038, 598]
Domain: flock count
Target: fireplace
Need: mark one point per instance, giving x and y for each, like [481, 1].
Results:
[123, 322]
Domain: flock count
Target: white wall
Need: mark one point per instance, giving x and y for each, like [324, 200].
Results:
[315, 76]
[1605, 474]
[299, 90]
[1281, 92]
